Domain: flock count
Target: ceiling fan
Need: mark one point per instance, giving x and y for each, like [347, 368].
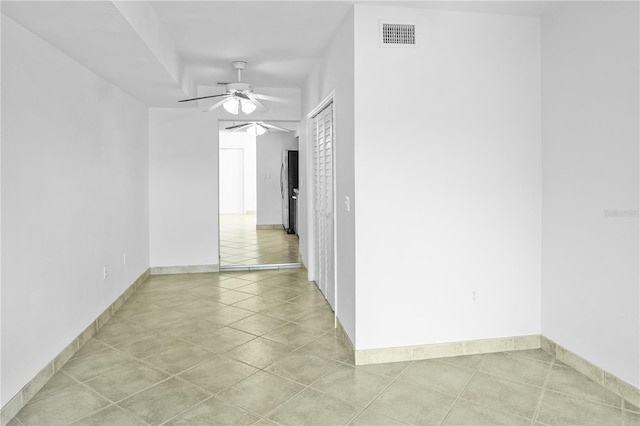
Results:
[239, 96]
[257, 128]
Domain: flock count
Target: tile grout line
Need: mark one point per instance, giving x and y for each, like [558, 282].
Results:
[142, 360]
[375, 398]
[512, 379]
[339, 363]
[249, 410]
[508, 379]
[364, 407]
[84, 384]
[544, 390]
[244, 239]
[216, 394]
[176, 377]
[212, 394]
[104, 408]
[309, 386]
[306, 387]
[188, 409]
[111, 402]
[580, 397]
[475, 373]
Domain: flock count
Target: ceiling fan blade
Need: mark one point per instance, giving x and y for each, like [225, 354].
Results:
[238, 126]
[271, 126]
[223, 83]
[271, 98]
[233, 129]
[216, 105]
[203, 97]
[242, 96]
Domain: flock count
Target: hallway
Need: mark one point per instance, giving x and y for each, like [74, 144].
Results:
[241, 244]
[259, 348]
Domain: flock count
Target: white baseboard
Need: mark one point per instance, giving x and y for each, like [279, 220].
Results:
[184, 269]
[609, 381]
[258, 267]
[342, 333]
[627, 391]
[443, 350]
[276, 227]
[616, 385]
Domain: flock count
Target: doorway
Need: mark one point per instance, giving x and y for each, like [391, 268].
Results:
[252, 235]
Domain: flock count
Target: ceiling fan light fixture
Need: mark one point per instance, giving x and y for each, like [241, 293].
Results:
[247, 106]
[232, 106]
[256, 130]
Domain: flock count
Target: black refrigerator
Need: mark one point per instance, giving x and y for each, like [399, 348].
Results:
[289, 190]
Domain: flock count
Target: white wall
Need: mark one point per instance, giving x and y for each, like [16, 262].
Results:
[183, 177]
[183, 187]
[334, 72]
[590, 151]
[75, 192]
[447, 173]
[269, 161]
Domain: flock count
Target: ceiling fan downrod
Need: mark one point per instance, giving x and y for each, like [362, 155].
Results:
[239, 66]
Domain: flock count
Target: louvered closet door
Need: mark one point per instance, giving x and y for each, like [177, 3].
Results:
[323, 198]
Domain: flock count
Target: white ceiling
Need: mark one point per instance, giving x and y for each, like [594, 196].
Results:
[161, 51]
[280, 40]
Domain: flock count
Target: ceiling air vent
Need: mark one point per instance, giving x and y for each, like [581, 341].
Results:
[395, 34]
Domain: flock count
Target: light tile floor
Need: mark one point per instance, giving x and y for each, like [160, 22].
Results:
[242, 244]
[259, 348]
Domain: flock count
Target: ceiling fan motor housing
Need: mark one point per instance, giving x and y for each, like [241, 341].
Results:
[239, 87]
[239, 65]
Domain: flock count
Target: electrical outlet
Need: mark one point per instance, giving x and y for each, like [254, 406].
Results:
[105, 271]
[474, 294]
